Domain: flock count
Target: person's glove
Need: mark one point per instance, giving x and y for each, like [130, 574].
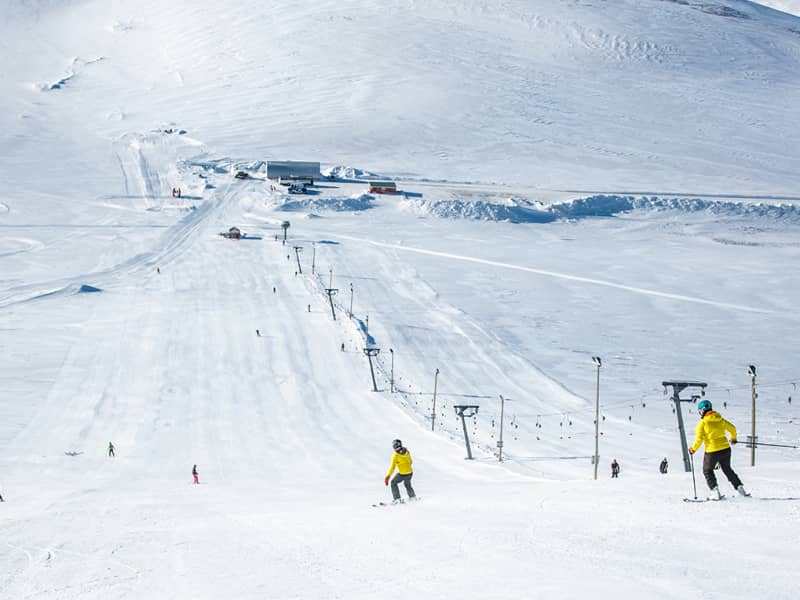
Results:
[691, 450]
[386, 480]
[733, 441]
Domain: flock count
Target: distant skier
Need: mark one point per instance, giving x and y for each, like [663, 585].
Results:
[179, 192]
[309, 308]
[111, 449]
[662, 468]
[194, 474]
[158, 270]
[258, 333]
[342, 346]
[614, 469]
[711, 432]
[401, 460]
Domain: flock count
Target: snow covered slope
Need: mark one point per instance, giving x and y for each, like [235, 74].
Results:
[577, 179]
[788, 6]
[646, 95]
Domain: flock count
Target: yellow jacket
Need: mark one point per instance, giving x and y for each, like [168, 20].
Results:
[711, 432]
[402, 462]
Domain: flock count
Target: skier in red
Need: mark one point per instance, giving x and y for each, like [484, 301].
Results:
[194, 474]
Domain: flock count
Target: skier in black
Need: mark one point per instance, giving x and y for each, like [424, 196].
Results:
[614, 469]
[662, 468]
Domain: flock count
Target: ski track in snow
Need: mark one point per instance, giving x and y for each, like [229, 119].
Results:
[566, 276]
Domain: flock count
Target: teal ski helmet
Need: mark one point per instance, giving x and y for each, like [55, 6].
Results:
[703, 406]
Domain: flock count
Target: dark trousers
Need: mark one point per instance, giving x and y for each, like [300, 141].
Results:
[406, 479]
[723, 459]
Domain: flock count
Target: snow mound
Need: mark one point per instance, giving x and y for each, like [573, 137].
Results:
[88, 289]
[305, 204]
[343, 172]
[516, 210]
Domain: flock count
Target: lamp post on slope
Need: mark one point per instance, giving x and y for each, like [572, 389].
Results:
[391, 377]
[751, 370]
[433, 410]
[597, 363]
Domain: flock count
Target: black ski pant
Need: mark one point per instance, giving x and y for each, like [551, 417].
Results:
[723, 459]
[406, 479]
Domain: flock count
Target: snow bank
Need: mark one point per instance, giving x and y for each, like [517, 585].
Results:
[517, 210]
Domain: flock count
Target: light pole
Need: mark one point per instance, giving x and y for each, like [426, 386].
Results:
[502, 413]
[330, 284]
[433, 410]
[351, 300]
[391, 377]
[597, 362]
[751, 370]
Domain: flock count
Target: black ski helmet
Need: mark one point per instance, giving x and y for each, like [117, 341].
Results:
[397, 444]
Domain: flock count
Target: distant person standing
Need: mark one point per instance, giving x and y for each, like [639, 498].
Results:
[401, 460]
[111, 449]
[614, 469]
[662, 468]
[712, 432]
[194, 474]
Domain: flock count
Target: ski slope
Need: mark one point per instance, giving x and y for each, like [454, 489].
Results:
[577, 180]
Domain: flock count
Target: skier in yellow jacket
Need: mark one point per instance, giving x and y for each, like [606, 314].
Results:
[401, 460]
[711, 431]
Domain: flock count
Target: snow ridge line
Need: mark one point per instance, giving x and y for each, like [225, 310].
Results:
[568, 277]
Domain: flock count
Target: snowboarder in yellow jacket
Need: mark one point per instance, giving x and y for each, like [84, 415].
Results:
[401, 460]
[712, 432]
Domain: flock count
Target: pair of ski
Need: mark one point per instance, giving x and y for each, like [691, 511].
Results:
[748, 496]
[401, 503]
[709, 499]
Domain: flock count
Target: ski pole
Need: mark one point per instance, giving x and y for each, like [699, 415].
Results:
[748, 444]
[694, 484]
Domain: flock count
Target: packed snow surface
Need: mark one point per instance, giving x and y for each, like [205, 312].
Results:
[575, 179]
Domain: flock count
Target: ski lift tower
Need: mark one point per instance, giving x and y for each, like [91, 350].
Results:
[464, 411]
[285, 225]
[372, 352]
[677, 388]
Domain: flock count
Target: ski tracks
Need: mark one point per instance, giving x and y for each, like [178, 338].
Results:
[568, 277]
